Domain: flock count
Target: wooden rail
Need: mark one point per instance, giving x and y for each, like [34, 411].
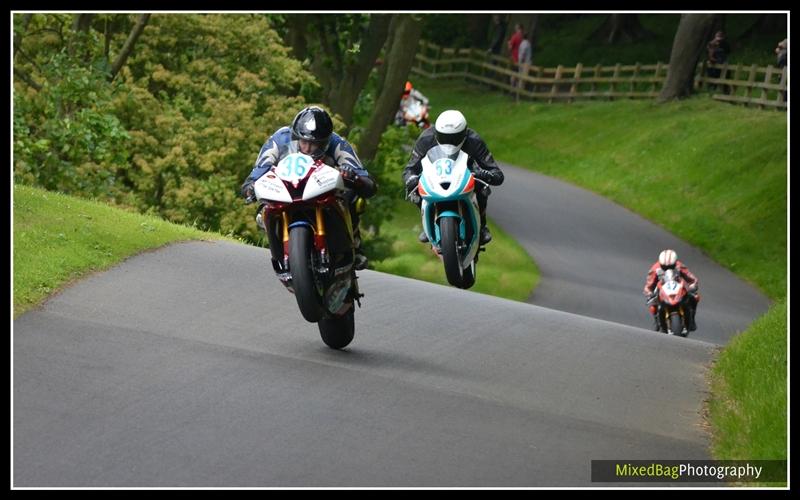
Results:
[762, 86]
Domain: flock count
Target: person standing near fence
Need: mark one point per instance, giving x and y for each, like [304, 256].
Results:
[499, 34]
[513, 47]
[782, 52]
[718, 50]
[525, 57]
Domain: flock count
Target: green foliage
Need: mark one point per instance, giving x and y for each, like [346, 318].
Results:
[64, 137]
[177, 131]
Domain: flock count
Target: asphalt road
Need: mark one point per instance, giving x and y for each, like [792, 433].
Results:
[191, 366]
[593, 256]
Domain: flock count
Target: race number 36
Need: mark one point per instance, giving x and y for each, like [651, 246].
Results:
[294, 166]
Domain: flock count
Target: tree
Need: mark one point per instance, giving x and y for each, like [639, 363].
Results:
[128, 47]
[342, 50]
[689, 43]
[405, 36]
[620, 28]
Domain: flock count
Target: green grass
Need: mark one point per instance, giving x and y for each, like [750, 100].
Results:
[748, 384]
[504, 270]
[712, 173]
[59, 238]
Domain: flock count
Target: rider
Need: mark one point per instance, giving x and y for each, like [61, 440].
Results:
[410, 94]
[668, 259]
[312, 133]
[451, 128]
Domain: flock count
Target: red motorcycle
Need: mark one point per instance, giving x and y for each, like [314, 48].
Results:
[413, 109]
[672, 303]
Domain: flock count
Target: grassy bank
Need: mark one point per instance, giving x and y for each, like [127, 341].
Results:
[712, 173]
[59, 238]
[504, 270]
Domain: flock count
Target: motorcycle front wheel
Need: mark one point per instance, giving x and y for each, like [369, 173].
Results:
[676, 323]
[456, 275]
[309, 297]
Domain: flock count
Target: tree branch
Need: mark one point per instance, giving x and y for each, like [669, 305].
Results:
[127, 48]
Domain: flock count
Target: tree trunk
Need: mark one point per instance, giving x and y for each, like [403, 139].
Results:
[689, 43]
[82, 22]
[127, 48]
[354, 77]
[400, 59]
[620, 28]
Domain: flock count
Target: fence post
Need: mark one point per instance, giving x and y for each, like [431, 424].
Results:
[635, 76]
[750, 80]
[573, 90]
[614, 77]
[782, 83]
[554, 86]
[767, 80]
[594, 82]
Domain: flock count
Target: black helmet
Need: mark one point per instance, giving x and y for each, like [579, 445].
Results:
[313, 124]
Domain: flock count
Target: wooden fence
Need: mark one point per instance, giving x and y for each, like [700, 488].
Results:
[761, 86]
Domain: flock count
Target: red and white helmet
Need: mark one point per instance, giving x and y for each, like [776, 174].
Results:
[667, 259]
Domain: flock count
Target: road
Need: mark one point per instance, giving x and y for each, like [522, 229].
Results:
[190, 366]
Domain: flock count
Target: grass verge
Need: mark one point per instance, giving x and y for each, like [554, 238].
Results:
[60, 238]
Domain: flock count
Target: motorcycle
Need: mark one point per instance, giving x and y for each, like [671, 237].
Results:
[672, 307]
[413, 110]
[450, 213]
[310, 235]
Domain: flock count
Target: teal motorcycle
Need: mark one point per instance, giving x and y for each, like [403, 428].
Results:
[450, 213]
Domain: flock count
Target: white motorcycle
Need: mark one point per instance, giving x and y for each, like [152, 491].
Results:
[310, 234]
[450, 213]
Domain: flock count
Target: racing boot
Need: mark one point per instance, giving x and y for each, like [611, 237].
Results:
[656, 323]
[423, 238]
[360, 260]
[690, 324]
[486, 236]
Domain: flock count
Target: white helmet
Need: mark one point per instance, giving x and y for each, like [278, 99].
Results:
[667, 259]
[451, 128]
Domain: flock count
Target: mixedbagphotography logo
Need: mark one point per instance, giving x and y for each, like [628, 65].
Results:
[724, 471]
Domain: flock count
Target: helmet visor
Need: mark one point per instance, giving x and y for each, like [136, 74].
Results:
[456, 139]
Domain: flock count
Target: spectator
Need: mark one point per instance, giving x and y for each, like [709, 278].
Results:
[499, 34]
[782, 52]
[718, 50]
[525, 56]
[513, 47]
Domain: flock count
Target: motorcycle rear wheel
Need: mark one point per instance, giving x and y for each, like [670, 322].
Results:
[338, 331]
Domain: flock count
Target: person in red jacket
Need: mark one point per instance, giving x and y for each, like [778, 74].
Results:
[668, 259]
[513, 47]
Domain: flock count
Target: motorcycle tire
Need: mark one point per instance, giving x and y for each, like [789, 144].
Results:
[676, 324]
[450, 257]
[309, 298]
[337, 331]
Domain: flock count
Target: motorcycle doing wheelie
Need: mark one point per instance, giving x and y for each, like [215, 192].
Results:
[310, 233]
[672, 297]
[450, 213]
